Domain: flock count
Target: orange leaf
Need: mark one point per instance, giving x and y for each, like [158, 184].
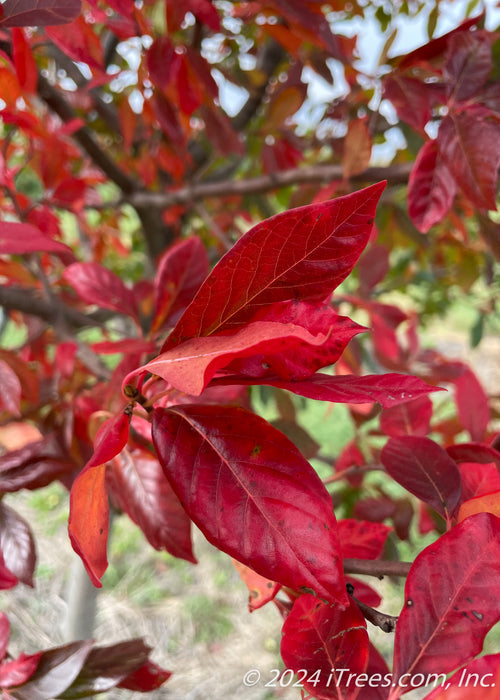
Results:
[89, 521]
[489, 503]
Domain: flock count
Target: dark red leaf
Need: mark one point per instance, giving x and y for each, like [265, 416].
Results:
[17, 544]
[148, 677]
[321, 638]
[21, 239]
[470, 147]
[88, 524]
[472, 405]
[479, 680]
[412, 98]
[362, 539]
[372, 267]
[386, 389]
[18, 671]
[450, 599]
[96, 284]
[425, 469]
[56, 671]
[409, 418]
[142, 491]
[107, 667]
[252, 494]
[474, 452]
[437, 47]
[35, 465]
[468, 64]
[300, 254]
[38, 13]
[4, 634]
[10, 397]
[181, 272]
[431, 188]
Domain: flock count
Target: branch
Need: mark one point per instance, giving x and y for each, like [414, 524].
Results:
[387, 623]
[377, 567]
[317, 174]
[28, 302]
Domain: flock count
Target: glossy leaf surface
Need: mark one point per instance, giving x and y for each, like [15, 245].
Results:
[252, 494]
[281, 264]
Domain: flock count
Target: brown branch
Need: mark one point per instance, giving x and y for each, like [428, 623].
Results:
[387, 623]
[27, 301]
[377, 567]
[313, 174]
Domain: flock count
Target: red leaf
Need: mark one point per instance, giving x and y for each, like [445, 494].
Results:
[252, 494]
[301, 254]
[19, 670]
[301, 359]
[363, 592]
[143, 492]
[79, 42]
[468, 64]
[409, 418]
[21, 239]
[474, 452]
[379, 678]
[7, 578]
[4, 634]
[426, 470]
[412, 98]
[88, 523]
[450, 599]
[261, 589]
[386, 389]
[181, 271]
[110, 440]
[470, 146]
[17, 544]
[431, 188]
[26, 68]
[56, 671]
[372, 267]
[39, 13]
[478, 479]
[472, 405]
[10, 398]
[321, 638]
[148, 677]
[362, 539]
[98, 285]
[191, 365]
[479, 680]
